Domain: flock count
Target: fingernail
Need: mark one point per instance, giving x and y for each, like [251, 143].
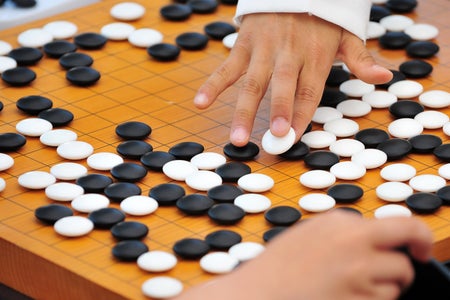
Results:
[200, 99]
[239, 136]
[280, 126]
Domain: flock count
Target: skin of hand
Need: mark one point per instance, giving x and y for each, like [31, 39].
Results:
[293, 54]
[337, 255]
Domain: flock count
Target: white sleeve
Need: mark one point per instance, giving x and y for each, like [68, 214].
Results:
[352, 15]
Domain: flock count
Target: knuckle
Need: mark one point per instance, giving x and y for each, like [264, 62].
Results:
[252, 87]
[307, 94]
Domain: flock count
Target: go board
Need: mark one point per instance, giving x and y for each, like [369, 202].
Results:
[42, 264]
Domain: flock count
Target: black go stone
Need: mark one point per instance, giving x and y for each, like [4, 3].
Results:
[218, 30]
[194, 204]
[167, 194]
[83, 76]
[192, 41]
[226, 213]
[233, 170]
[229, 2]
[133, 130]
[282, 215]
[371, 137]
[107, 217]
[401, 6]
[128, 172]
[337, 76]
[90, 40]
[176, 12]
[94, 183]
[33, 105]
[378, 12]
[297, 152]
[18, 76]
[56, 49]
[416, 68]
[268, 235]
[155, 160]
[118, 191]
[223, 239]
[395, 148]
[394, 40]
[422, 49]
[332, 97]
[442, 152]
[243, 153]
[134, 149]
[57, 116]
[186, 150]
[396, 76]
[190, 248]
[424, 203]
[350, 210]
[129, 250]
[224, 193]
[444, 194]
[51, 213]
[26, 56]
[164, 52]
[129, 230]
[406, 109]
[11, 141]
[25, 3]
[321, 159]
[345, 192]
[425, 143]
[1, 106]
[76, 59]
[203, 6]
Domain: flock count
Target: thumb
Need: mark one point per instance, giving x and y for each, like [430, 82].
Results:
[358, 59]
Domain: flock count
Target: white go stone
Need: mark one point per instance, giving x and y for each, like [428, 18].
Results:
[348, 170]
[157, 261]
[5, 47]
[435, 98]
[324, 114]
[253, 203]
[317, 179]
[342, 127]
[346, 147]
[393, 191]
[446, 128]
[427, 183]
[370, 158]
[229, 40]
[277, 145]
[36, 180]
[392, 210]
[104, 161]
[318, 139]
[405, 128]
[405, 89]
[379, 99]
[162, 287]
[75, 150]
[245, 251]
[63, 191]
[354, 108]
[33, 126]
[90, 202]
[208, 160]
[179, 169]
[61, 29]
[117, 31]
[6, 161]
[398, 172]
[7, 63]
[396, 22]
[203, 180]
[218, 262]
[127, 11]
[256, 182]
[375, 30]
[444, 171]
[356, 88]
[316, 202]
[432, 119]
[73, 226]
[34, 37]
[68, 171]
[2, 184]
[139, 205]
[145, 37]
[56, 137]
[422, 31]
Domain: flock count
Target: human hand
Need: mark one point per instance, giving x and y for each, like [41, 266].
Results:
[293, 53]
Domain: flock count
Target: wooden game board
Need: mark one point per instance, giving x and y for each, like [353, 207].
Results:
[40, 263]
